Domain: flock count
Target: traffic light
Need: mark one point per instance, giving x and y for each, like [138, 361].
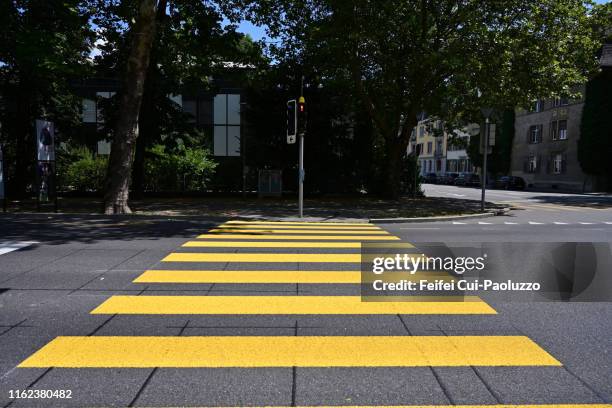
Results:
[292, 121]
[302, 115]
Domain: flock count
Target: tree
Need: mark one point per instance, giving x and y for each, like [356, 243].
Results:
[401, 58]
[192, 44]
[126, 130]
[43, 45]
[595, 144]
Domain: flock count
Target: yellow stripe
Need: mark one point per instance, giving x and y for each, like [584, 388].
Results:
[272, 257]
[264, 305]
[263, 244]
[299, 227]
[289, 231]
[301, 237]
[178, 276]
[290, 351]
[340, 224]
[260, 244]
[260, 257]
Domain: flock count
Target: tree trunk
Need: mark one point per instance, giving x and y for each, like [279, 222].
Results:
[395, 150]
[148, 123]
[145, 129]
[392, 170]
[126, 129]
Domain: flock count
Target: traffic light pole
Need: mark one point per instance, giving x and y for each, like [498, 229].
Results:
[483, 181]
[301, 176]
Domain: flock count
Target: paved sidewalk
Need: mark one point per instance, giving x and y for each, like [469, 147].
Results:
[334, 208]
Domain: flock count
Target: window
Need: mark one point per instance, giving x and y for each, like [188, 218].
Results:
[533, 164]
[562, 101]
[535, 134]
[538, 106]
[429, 146]
[421, 131]
[563, 130]
[88, 111]
[226, 117]
[558, 163]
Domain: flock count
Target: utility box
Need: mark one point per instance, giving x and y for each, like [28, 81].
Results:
[270, 183]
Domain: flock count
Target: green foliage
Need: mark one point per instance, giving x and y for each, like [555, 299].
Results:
[185, 169]
[411, 179]
[79, 170]
[446, 58]
[43, 44]
[595, 144]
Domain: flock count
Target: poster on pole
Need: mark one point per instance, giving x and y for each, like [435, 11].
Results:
[45, 140]
[1, 175]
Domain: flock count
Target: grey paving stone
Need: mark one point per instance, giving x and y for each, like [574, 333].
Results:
[368, 386]
[218, 387]
[99, 387]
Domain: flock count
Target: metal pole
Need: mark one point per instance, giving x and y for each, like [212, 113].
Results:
[301, 176]
[416, 169]
[243, 148]
[483, 182]
[301, 160]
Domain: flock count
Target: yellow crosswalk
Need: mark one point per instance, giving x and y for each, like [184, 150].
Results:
[338, 228]
[275, 244]
[357, 238]
[288, 351]
[303, 232]
[266, 276]
[300, 223]
[261, 257]
[261, 244]
[294, 305]
[293, 351]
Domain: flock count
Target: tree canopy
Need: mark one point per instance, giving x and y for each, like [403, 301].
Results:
[446, 58]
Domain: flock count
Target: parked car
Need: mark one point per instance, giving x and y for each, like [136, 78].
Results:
[430, 178]
[467, 179]
[510, 183]
[448, 178]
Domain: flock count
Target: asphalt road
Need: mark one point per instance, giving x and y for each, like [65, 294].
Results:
[120, 313]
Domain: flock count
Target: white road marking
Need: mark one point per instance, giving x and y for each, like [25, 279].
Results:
[608, 222]
[6, 247]
[419, 228]
[586, 223]
[458, 223]
[510, 223]
[560, 223]
[484, 223]
[535, 223]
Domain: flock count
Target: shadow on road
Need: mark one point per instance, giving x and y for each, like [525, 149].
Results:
[603, 202]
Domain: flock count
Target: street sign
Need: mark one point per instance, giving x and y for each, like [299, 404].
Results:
[292, 121]
[492, 134]
[483, 132]
[45, 140]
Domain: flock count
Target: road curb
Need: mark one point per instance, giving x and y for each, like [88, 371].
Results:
[487, 214]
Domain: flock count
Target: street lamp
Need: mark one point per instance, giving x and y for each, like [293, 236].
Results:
[486, 112]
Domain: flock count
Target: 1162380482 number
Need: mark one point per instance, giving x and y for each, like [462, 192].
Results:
[40, 394]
